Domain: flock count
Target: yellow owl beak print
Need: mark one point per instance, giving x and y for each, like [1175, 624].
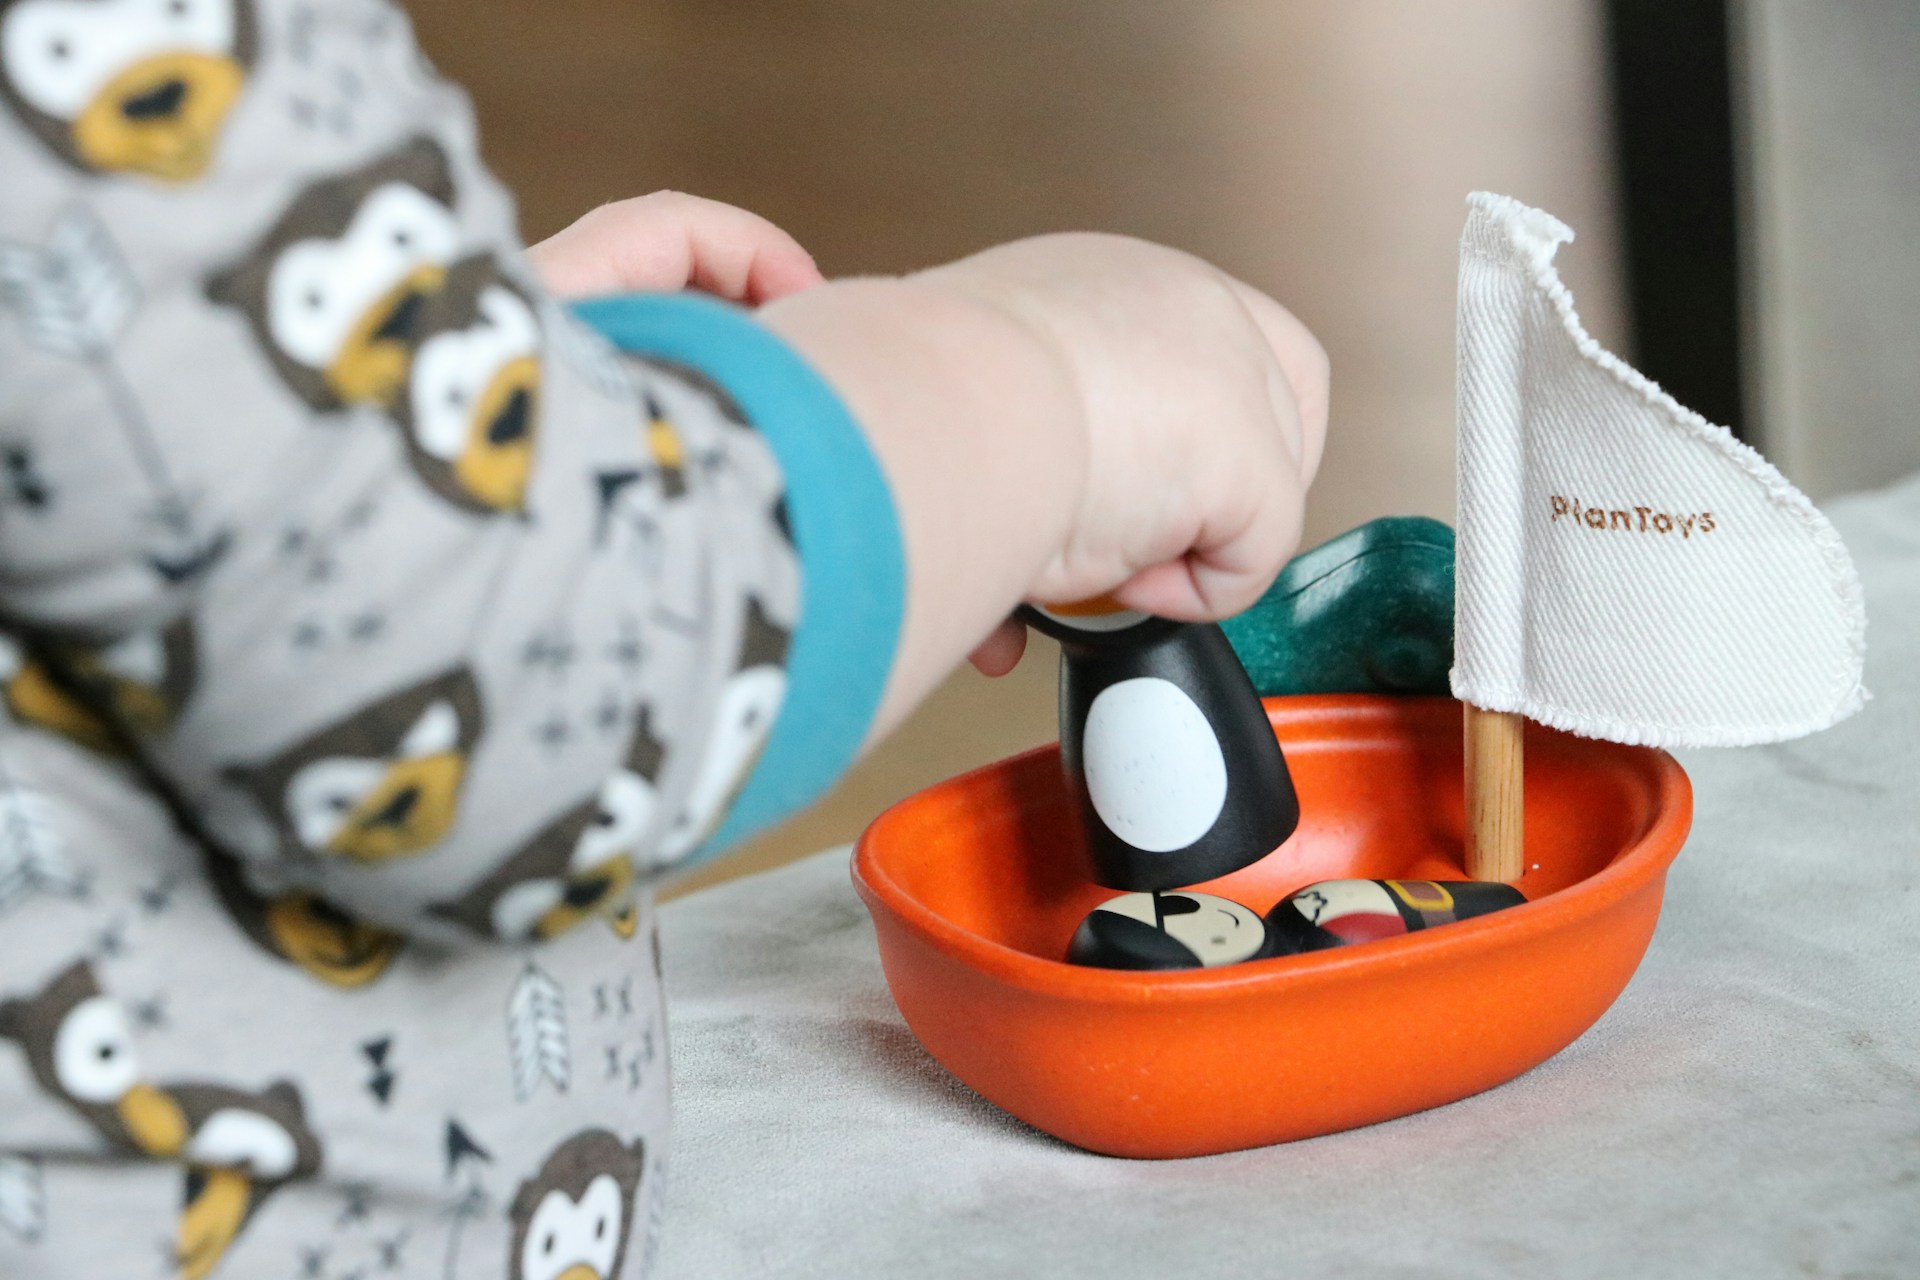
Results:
[383, 783]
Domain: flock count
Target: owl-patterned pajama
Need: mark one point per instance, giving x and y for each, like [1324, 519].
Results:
[373, 634]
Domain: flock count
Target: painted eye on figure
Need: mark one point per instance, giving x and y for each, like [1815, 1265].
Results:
[93, 1052]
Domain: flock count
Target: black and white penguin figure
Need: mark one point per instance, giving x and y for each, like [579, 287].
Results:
[1168, 931]
[1339, 913]
[1177, 770]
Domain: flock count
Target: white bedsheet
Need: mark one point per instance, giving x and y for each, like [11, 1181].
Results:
[1749, 1108]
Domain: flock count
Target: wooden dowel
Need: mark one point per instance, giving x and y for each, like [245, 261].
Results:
[1496, 766]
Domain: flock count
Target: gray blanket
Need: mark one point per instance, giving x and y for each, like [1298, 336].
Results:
[1749, 1108]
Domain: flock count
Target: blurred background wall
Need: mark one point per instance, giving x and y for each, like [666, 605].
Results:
[1828, 98]
[1321, 149]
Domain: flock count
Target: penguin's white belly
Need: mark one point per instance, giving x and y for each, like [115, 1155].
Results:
[1154, 768]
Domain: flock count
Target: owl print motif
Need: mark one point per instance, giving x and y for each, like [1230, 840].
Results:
[127, 86]
[382, 783]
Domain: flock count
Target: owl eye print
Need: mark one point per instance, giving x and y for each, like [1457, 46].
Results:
[381, 784]
[749, 702]
[572, 1220]
[80, 1049]
[335, 290]
[236, 1146]
[470, 411]
[577, 868]
[93, 1054]
[142, 681]
[127, 86]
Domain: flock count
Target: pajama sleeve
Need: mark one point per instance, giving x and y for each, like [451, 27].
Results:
[417, 593]
[841, 518]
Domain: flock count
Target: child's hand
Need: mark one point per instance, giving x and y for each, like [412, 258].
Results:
[1206, 411]
[668, 241]
[1068, 416]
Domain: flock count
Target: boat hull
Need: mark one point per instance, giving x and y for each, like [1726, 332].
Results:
[977, 884]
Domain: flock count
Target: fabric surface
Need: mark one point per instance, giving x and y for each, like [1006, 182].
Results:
[1626, 569]
[367, 623]
[1748, 1109]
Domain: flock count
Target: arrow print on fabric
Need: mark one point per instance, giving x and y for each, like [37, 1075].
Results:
[380, 1083]
[111, 942]
[356, 1203]
[388, 1254]
[76, 295]
[462, 1149]
[25, 486]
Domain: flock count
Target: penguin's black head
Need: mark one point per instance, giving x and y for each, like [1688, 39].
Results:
[1099, 623]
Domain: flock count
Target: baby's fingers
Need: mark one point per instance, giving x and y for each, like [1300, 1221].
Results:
[669, 241]
[1251, 504]
[1218, 579]
[1001, 651]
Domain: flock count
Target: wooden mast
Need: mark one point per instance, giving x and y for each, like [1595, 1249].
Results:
[1495, 772]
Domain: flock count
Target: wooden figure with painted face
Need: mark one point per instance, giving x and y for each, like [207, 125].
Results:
[1340, 913]
[1168, 931]
[1178, 773]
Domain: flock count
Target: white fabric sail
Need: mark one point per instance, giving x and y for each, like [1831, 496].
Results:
[1626, 569]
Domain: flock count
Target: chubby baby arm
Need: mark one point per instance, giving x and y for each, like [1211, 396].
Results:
[1057, 417]
[1065, 416]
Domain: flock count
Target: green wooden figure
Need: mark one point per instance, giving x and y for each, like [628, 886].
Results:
[1369, 612]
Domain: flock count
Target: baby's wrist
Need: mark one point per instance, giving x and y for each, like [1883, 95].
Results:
[948, 375]
[978, 426]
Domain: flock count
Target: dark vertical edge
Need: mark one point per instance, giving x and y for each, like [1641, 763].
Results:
[1670, 65]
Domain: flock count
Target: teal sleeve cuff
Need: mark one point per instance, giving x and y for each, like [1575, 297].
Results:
[853, 569]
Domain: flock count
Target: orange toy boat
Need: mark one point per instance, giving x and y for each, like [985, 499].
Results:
[977, 884]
